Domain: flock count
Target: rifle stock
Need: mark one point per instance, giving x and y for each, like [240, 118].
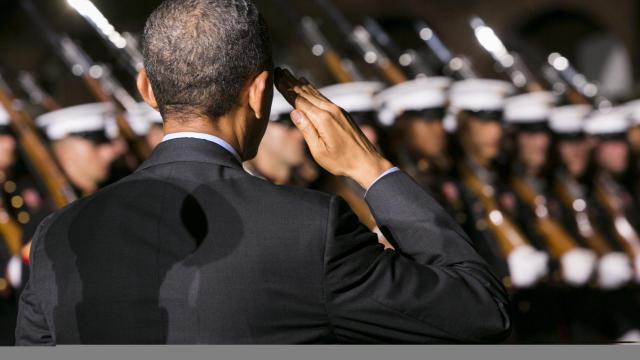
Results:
[555, 236]
[36, 152]
[320, 46]
[507, 234]
[10, 231]
[361, 38]
[589, 233]
[624, 232]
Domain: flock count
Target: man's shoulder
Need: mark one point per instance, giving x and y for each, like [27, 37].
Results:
[247, 189]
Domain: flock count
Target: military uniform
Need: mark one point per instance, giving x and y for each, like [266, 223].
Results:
[610, 312]
[424, 100]
[21, 209]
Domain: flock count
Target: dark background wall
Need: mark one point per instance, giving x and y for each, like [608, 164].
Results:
[533, 26]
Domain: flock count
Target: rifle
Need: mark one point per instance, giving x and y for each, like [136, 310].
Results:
[555, 236]
[559, 85]
[10, 231]
[519, 73]
[340, 67]
[123, 45]
[36, 152]
[37, 95]
[572, 198]
[361, 38]
[408, 59]
[608, 195]
[511, 62]
[507, 233]
[97, 78]
[456, 66]
[588, 91]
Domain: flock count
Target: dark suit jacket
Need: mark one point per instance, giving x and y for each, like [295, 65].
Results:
[192, 249]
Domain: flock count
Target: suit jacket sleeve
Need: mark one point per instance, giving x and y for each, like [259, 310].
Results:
[433, 288]
[32, 327]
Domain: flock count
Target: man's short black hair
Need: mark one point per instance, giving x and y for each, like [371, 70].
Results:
[199, 54]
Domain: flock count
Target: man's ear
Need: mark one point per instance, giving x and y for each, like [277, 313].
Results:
[261, 95]
[144, 87]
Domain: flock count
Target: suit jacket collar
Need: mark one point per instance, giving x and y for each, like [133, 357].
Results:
[190, 150]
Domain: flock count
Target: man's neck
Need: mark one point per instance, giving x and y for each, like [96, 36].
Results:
[221, 128]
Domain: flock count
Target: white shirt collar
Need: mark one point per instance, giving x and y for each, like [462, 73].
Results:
[203, 136]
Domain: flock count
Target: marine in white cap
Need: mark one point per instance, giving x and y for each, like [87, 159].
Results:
[282, 149]
[527, 116]
[81, 144]
[612, 191]
[358, 99]
[571, 145]
[615, 211]
[609, 130]
[573, 149]
[478, 105]
[415, 110]
[538, 210]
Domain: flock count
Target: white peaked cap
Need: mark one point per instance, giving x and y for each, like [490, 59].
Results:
[142, 117]
[479, 85]
[608, 122]
[569, 119]
[528, 108]
[614, 270]
[526, 266]
[354, 96]
[279, 106]
[419, 94]
[634, 111]
[578, 266]
[479, 94]
[4, 117]
[76, 119]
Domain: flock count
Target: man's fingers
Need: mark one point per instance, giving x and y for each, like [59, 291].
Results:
[284, 86]
[319, 102]
[306, 127]
[318, 116]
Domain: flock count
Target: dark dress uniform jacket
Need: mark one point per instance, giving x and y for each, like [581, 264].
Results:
[192, 249]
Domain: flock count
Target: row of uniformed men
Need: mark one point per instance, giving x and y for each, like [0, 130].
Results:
[546, 192]
[548, 204]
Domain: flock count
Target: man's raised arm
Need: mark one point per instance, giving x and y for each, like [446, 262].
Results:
[434, 287]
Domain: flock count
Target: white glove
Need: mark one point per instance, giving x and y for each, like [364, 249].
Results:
[14, 271]
[614, 270]
[577, 266]
[526, 266]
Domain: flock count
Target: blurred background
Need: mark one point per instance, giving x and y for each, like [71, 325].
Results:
[600, 37]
